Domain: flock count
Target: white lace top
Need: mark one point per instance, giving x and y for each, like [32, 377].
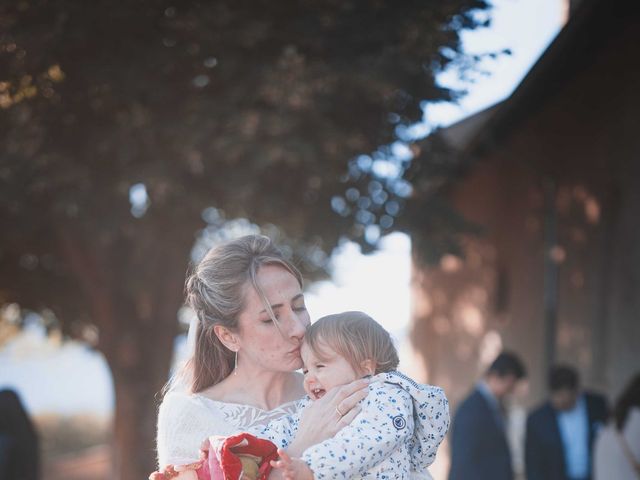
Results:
[185, 421]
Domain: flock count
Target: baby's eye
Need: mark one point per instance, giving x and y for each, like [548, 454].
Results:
[320, 365]
[300, 308]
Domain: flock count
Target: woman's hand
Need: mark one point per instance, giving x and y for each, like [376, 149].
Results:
[326, 416]
[292, 468]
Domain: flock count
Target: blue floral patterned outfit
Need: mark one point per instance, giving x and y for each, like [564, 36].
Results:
[395, 436]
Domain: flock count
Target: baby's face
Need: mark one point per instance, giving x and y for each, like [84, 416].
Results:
[322, 374]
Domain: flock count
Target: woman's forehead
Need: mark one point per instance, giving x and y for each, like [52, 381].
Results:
[274, 279]
[278, 285]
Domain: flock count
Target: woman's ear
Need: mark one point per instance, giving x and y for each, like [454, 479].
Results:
[368, 366]
[226, 337]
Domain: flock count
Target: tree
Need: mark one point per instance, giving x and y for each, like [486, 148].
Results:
[121, 123]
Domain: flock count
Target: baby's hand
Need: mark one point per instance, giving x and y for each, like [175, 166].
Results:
[292, 468]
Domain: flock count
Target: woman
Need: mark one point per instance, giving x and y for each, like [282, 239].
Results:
[617, 448]
[251, 318]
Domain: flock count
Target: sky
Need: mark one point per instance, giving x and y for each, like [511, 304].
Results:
[73, 379]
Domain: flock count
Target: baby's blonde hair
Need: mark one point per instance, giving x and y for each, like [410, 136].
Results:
[355, 336]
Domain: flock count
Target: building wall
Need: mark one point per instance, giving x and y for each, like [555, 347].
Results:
[585, 138]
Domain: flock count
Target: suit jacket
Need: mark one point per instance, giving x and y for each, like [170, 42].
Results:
[479, 448]
[544, 450]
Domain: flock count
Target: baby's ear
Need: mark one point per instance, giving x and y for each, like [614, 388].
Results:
[368, 366]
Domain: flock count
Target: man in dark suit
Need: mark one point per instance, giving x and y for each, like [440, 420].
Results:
[479, 448]
[560, 433]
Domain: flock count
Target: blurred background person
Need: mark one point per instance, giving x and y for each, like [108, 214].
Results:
[617, 448]
[479, 446]
[19, 452]
[561, 432]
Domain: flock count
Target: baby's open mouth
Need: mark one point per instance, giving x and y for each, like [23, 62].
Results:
[318, 393]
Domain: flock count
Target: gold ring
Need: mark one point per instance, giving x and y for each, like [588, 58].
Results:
[339, 412]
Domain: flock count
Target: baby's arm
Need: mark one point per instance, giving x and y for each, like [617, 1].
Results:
[386, 421]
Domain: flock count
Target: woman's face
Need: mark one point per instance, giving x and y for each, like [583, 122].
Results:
[263, 344]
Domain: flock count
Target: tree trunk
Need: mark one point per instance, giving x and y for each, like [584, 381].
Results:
[140, 359]
[134, 426]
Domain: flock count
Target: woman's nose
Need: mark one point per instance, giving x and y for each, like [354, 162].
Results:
[298, 327]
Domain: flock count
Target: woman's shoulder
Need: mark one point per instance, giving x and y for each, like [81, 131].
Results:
[177, 406]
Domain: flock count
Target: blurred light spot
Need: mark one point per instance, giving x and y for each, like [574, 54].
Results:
[55, 73]
[490, 347]
[90, 335]
[372, 234]
[365, 217]
[385, 169]
[386, 221]
[338, 204]
[201, 81]
[364, 202]
[210, 62]
[402, 188]
[352, 194]
[374, 187]
[392, 208]
[10, 313]
[212, 215]
[557, 254]
[472, 320]
[402, 151]
[364, 162]
[379, 197]
[450, 263]
[170, 12]
[139, 199]
[592, 210]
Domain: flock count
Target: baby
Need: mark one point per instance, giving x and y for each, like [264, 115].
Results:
[401, 423]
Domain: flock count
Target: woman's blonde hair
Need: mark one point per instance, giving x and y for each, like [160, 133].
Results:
[215, 290]
[355, 336]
